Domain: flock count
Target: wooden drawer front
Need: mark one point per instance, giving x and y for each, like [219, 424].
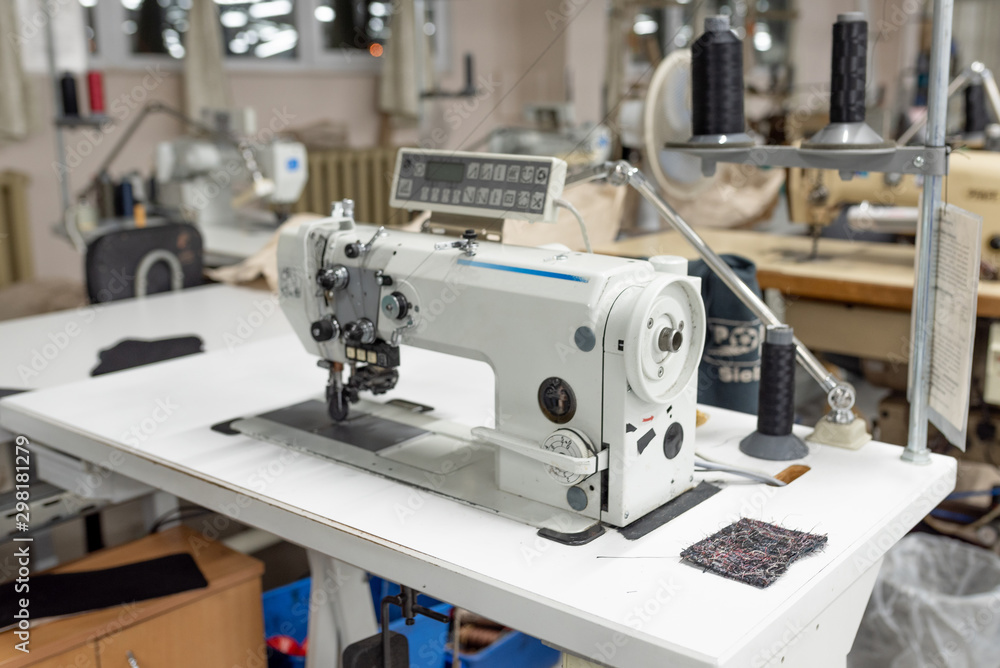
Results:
[225, 629]
[81, 657]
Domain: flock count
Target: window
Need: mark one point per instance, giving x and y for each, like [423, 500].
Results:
[264, 34]
[658, 30]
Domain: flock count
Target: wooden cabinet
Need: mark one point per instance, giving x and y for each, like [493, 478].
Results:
[81, 657]
[220, 625]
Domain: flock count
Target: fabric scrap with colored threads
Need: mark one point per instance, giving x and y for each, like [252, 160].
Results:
[753, 552]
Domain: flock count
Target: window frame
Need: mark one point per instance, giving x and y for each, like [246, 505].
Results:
[114, 49]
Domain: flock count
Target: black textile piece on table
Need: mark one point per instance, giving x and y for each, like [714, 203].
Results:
[130, 353]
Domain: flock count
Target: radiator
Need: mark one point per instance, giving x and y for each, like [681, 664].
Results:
[363, 175]
[15, 229]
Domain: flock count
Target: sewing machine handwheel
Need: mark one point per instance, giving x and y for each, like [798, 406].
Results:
[665, 339]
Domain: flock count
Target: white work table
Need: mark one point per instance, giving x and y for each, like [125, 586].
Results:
[61, 347]
[611, 601]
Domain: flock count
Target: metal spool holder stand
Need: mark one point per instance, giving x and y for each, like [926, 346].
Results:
[930, 160]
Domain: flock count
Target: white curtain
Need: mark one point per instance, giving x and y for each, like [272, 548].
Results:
[399, 88]
[14, 87]
[205, 82]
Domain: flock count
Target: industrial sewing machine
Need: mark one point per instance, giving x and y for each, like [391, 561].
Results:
[595, 358]
[212, 178]
[888, 202]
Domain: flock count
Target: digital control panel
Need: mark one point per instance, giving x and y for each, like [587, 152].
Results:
[478, 184]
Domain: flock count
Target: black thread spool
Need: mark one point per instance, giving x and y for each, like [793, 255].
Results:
[774, 439]
[849, 69]
[976, 119]
[717, 81]
[70, 104]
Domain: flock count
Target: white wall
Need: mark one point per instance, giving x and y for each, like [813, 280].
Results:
[508, 39]
[526, 50]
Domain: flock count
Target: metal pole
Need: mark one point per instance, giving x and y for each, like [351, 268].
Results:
[50, 52]
[925, 263]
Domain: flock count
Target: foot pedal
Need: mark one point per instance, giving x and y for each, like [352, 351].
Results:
[367, 653]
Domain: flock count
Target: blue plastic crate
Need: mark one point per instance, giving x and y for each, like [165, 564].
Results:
[512, 649]
[426, 638]
[286, 613]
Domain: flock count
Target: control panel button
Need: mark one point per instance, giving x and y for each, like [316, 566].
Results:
[406, 168]
[405, 187]
[500, 172]
[509, 198]
[541, 175]
[523, 198]
[537, 201]
[473, 171]
[419, 168]
[486, 173]
[425, 192]
[496, 196]
[483, 196]
[527, 174]
[469, 195]
[513, 173]
[435, 194]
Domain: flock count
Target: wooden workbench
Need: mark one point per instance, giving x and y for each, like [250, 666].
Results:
[865, 273]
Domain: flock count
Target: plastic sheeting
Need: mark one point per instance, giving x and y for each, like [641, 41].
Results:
[936, 603]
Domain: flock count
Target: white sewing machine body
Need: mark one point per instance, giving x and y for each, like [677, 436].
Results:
[592, 415]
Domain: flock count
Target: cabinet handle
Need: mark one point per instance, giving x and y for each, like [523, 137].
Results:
[131, 659]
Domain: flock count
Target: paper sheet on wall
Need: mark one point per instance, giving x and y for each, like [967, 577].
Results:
[956, 290]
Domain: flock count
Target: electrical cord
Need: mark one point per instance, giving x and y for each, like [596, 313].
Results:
[576, 214]
[177, 515]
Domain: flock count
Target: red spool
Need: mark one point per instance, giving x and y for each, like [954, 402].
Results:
[95, 88]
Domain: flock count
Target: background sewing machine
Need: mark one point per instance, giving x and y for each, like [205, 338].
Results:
[228, 181]
[887, 203]
[552, 130]
[594, 357]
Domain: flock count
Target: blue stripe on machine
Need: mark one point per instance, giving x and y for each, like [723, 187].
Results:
[522, 270]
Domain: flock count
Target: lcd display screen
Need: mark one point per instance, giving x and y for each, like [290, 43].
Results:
[453, 172]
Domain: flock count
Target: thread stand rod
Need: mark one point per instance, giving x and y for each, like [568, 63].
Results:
[925, 266]
[622, 173]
